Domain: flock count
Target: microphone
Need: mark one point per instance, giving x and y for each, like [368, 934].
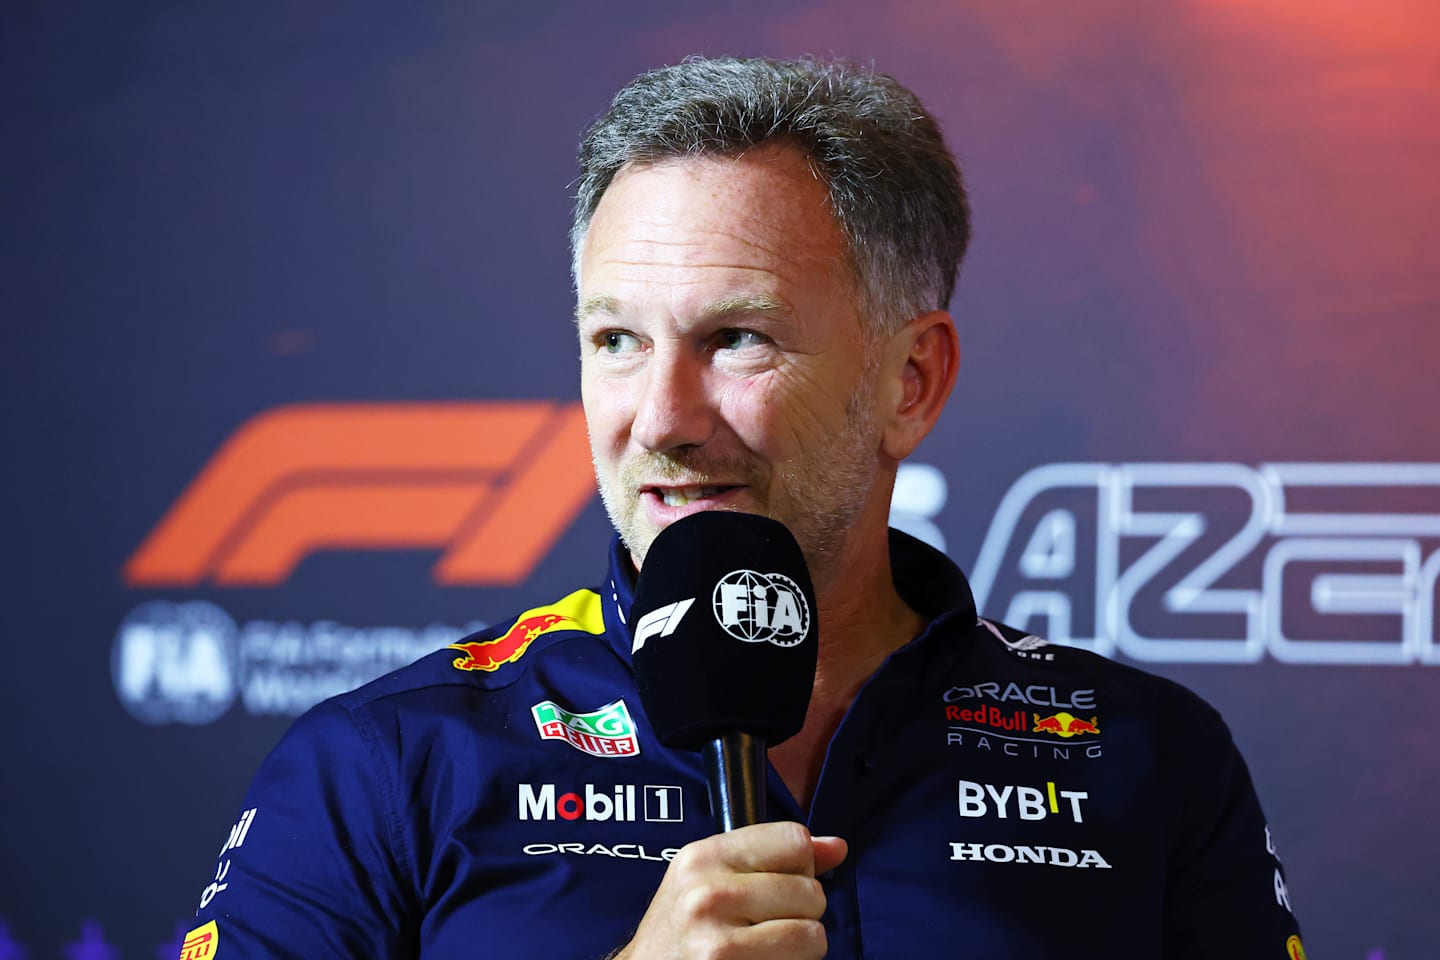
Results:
[724, 648]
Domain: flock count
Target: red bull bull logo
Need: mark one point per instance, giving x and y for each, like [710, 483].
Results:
[579, 611]
[491, 654]
[1066, 725]
[1293, 949]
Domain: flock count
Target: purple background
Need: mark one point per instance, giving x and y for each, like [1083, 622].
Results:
[1205, 232]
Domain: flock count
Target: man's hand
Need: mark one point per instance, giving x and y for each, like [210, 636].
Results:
[748, 893]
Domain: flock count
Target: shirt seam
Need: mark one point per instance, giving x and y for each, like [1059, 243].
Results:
[368, 736]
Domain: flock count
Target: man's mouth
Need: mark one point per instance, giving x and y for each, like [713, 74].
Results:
[684, 496]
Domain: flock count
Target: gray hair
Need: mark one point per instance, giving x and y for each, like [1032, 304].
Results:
[894, 188]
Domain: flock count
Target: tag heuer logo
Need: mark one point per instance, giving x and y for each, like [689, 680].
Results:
[607, 732]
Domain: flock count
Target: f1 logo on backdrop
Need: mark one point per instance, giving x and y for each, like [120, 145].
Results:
[1220, 562]
[493, 484]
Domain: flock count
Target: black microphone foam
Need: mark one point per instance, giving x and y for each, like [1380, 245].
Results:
[724, 631]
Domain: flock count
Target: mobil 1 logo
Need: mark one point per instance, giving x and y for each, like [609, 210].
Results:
[622, 803]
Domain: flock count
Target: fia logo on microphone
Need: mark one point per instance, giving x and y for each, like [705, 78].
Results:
[761, 608]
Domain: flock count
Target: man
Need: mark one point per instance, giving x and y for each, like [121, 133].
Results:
[763, 256]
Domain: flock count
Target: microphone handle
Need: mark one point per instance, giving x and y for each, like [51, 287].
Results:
[735, 765]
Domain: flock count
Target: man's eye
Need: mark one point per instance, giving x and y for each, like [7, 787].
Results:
[616, 341]
[740, 339]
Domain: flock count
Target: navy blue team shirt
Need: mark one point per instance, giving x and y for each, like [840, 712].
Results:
[1002, 798]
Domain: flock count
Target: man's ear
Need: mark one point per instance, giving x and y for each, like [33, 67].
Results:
[921, 362]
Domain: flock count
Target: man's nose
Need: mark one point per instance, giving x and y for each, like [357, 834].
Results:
[674, 408]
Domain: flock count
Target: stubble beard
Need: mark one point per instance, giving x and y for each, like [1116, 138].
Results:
[817, 495]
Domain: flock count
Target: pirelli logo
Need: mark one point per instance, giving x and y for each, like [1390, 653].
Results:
[493, 485]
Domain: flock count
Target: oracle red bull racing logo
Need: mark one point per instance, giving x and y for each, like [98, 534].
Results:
[1066, 725]
[1004, 717]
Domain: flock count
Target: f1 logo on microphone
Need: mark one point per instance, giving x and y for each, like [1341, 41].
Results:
[762, 608]
[660, 622]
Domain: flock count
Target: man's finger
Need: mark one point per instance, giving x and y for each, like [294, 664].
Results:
[791, 939]
[829, 853]
[767, 848]
[779, 896]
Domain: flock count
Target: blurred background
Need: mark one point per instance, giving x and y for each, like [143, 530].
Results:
[290, 385]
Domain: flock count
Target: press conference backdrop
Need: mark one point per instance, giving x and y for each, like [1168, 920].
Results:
[290, 390]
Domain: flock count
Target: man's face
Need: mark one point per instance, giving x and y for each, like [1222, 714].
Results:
[722, 360]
